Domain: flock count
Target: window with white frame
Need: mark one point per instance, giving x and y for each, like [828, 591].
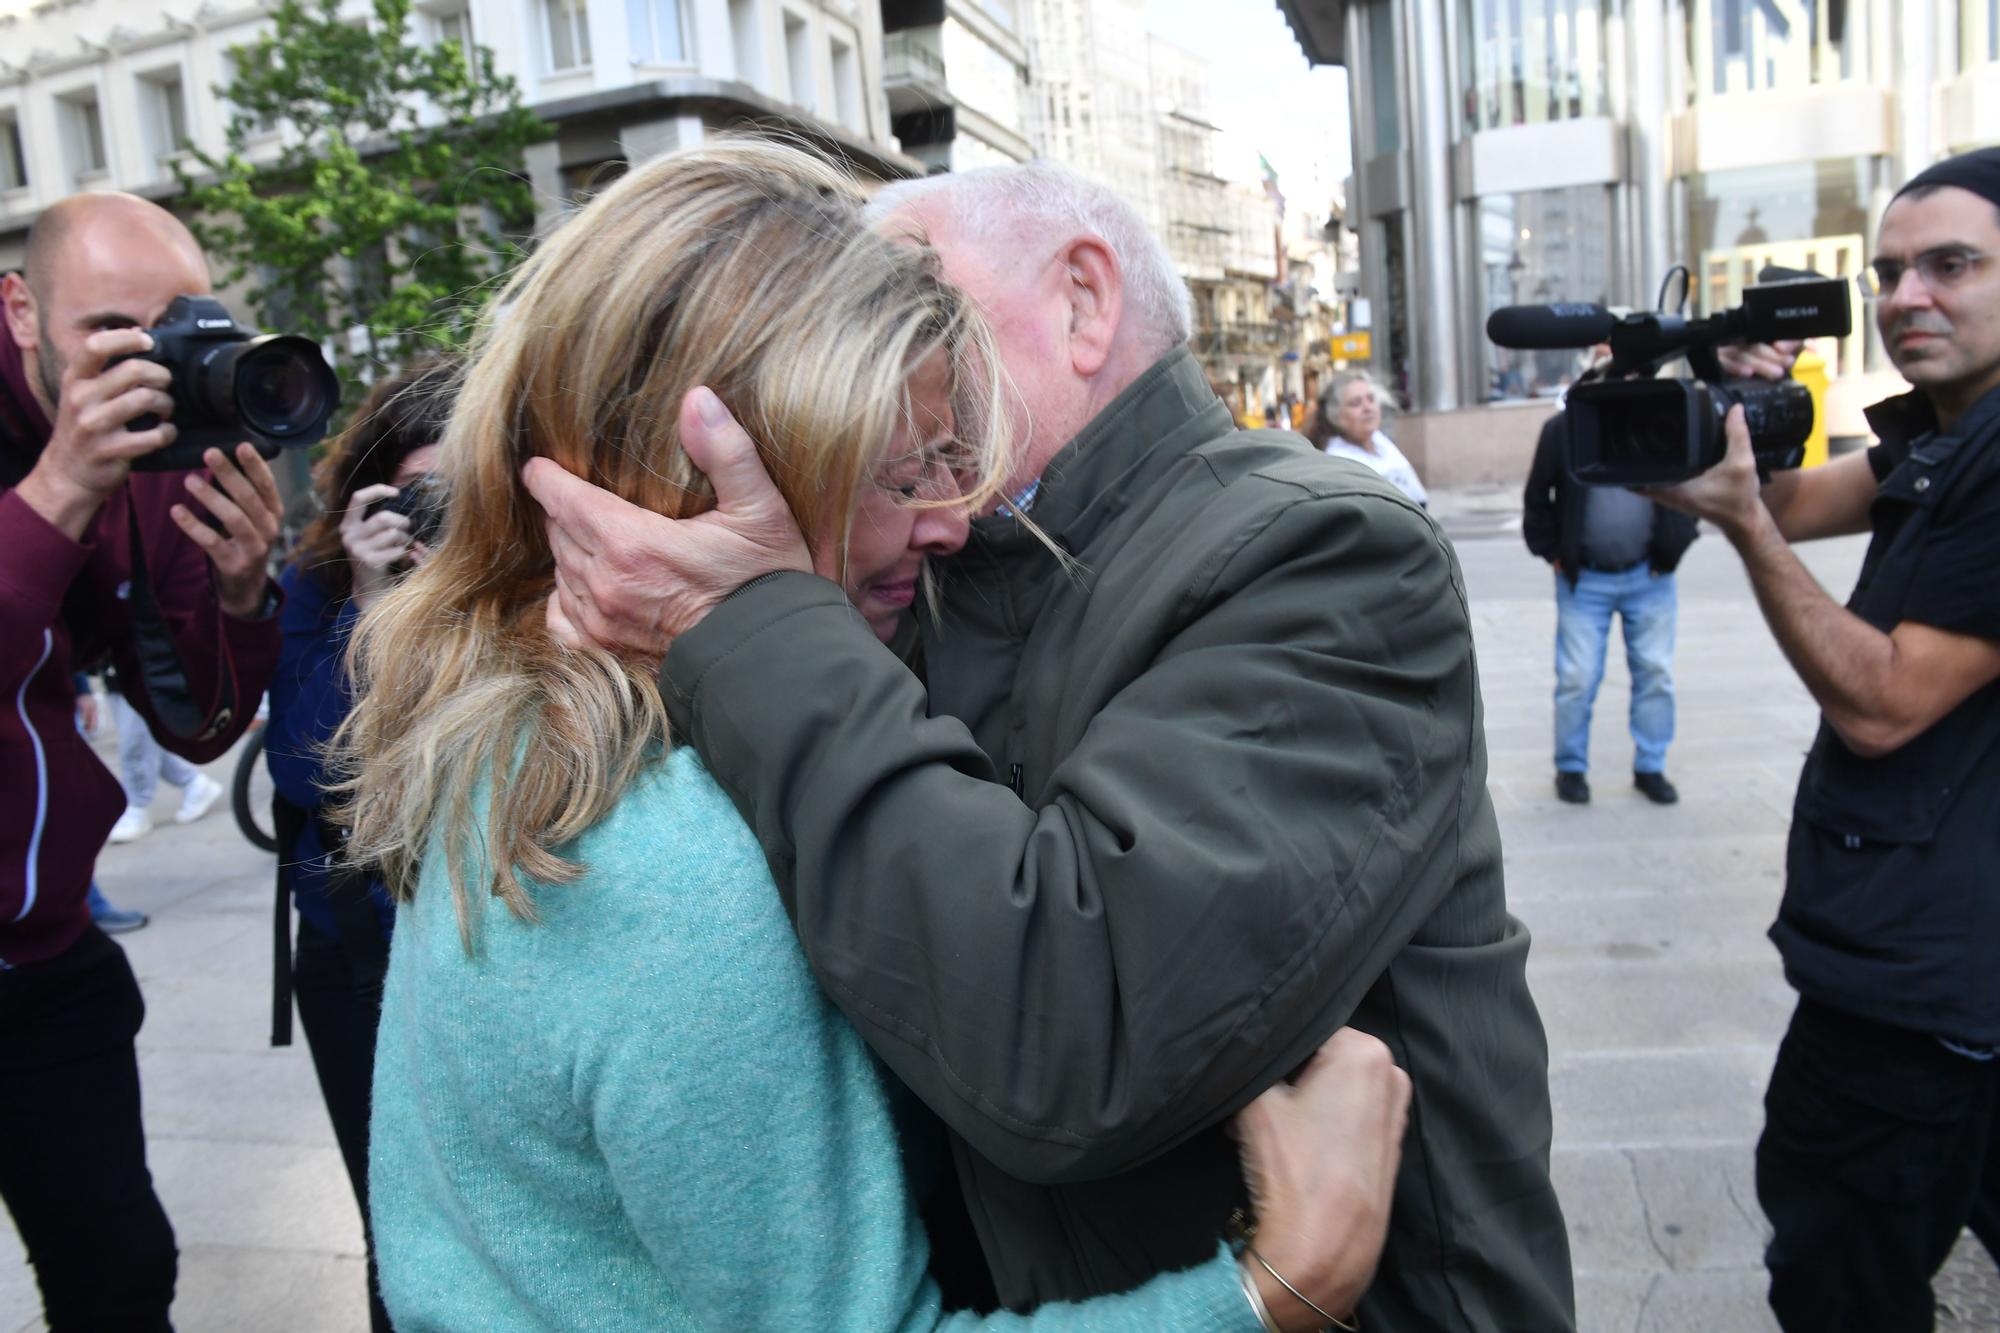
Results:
[568, 27]
[1745, 46]
[163, 113]
[846, 84]
[799, 62]
[746, 41]
[82, 133]
[13, 156]
[456, 26]
[653, 27]
[262, 124]
[1529, 62]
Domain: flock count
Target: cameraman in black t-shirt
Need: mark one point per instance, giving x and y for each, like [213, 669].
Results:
[1881, 1118]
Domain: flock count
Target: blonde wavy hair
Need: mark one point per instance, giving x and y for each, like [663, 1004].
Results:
[741, 265]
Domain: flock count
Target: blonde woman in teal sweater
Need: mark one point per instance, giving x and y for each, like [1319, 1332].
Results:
[608, 1093]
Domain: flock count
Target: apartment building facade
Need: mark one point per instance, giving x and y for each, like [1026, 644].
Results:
[100, 94]
[1511, 151]
[956, 75]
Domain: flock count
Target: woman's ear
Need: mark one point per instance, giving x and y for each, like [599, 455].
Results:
[1096, 303]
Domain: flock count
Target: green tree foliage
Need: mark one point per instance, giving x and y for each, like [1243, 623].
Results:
[370, 181]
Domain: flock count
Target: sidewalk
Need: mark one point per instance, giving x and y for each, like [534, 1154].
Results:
[1663, 1001]
[238, 1140]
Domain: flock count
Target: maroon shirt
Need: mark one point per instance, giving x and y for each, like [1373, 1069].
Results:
[64, 604]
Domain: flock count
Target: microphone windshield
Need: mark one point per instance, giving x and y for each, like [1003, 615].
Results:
[1536, 327]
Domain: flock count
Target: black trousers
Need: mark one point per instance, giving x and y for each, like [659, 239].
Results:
[72, 1146]
[340, 1006]
[1878, 1149]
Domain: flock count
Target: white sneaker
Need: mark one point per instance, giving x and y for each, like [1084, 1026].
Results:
[132, 825]
[200, 799]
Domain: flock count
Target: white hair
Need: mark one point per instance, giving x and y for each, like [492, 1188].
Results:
[992, 205]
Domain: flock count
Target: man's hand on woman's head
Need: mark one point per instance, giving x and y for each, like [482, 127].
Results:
[632, 581]
[1320, 1156]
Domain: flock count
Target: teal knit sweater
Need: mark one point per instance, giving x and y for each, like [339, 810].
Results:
[641, 1113]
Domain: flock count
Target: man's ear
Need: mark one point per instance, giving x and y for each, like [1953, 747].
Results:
[1096, 303]
[19, 303]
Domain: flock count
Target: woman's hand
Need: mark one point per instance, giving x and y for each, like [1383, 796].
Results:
[1320, 1156]
[375, 543]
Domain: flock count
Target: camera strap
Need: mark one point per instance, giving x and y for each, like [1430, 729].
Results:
[162, 676]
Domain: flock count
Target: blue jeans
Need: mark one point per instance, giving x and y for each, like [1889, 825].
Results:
[1583, 631]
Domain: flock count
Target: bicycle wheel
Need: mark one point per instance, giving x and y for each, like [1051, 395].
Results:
[250, 792]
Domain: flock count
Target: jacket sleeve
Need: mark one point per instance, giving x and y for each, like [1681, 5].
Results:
[226, 663]
[1196, 898]
[309, 698]
[1541, 522]
[38, 563]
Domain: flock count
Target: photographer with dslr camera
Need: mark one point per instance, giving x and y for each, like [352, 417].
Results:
[163, 572]
[1878, 1144]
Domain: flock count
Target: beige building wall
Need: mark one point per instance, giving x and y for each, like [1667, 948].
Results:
[94, 94]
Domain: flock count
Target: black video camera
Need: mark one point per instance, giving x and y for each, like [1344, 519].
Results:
[231, 384]
[1627, 428]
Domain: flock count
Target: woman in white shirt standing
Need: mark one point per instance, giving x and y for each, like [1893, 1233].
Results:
[1349, 425]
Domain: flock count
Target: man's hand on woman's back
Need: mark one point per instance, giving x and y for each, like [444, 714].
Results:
[1320, 1156]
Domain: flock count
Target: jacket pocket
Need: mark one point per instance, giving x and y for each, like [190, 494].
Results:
[1901, 797]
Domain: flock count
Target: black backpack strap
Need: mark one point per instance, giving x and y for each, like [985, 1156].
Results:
[290, 822]
[163, 678]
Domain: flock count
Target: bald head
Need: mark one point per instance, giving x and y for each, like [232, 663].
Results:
[95, 262]
[100, 229]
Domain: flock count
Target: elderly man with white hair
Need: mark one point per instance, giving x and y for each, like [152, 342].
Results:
[1191, 772]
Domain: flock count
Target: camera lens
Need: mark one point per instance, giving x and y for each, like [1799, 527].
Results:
[283, 387]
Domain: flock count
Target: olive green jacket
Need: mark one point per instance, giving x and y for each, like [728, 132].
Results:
[1168, 818]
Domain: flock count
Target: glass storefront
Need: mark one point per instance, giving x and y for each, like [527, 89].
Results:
[1528, 62]
[1396, 303]
[1804, 215]
[1536, 247]
[1745, 46]
[1383, 86]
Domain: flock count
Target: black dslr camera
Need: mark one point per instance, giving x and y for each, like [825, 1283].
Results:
[1627, 428]
[231, 384]
[422, 501]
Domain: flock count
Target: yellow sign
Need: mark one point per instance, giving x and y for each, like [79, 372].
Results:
[1810, 370]
[1350, 347]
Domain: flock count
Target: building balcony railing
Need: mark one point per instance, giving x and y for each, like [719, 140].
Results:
[1242, 338]
[905, 59]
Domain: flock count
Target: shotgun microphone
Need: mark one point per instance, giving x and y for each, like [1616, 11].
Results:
[1548, 327]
